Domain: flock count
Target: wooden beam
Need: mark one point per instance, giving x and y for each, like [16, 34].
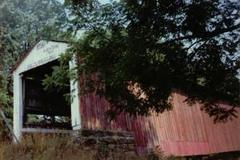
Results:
[9, 127]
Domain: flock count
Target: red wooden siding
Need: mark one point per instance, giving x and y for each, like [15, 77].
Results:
[185, 130]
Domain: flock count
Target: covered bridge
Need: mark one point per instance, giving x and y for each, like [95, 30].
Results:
[183, 131]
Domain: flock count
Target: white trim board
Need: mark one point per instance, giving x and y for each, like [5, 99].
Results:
[42, 53]
[42, 130]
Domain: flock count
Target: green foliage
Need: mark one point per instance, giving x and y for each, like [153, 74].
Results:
[23, 23]
[59, 79]
[158, 47]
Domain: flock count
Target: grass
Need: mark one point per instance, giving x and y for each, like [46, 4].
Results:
[57, 148]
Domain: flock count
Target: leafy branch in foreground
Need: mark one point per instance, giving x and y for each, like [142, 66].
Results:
[143, 50]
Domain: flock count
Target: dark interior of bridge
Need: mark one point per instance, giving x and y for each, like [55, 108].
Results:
[45, 108]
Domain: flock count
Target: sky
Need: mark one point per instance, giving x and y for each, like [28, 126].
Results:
[102, 1]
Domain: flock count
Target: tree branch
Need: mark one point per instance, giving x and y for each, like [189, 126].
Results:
[205, 35]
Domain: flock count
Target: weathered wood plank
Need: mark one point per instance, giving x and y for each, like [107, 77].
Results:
[185, 130]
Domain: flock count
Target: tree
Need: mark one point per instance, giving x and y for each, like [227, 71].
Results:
[23, 23]
[157, 47]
